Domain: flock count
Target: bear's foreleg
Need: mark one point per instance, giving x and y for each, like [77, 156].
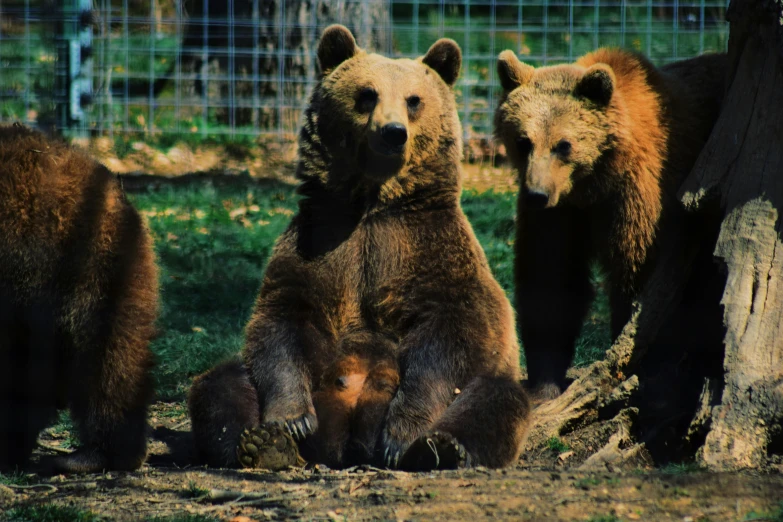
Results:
[553, 292]
[430, 371]
[485, 426]
[275, 356]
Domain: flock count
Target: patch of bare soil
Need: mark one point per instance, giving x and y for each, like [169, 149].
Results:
[542, 488]
[264, 161]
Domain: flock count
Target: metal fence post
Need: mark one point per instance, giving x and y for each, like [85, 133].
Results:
[74, 75]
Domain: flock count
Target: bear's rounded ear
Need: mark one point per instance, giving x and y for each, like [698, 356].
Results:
[597, 84]
[511, 72]
[445, 58]
[337, 45]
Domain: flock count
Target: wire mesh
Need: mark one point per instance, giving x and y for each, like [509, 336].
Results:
[224, 69]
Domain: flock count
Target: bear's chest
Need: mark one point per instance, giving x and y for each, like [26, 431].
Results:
[367, 274]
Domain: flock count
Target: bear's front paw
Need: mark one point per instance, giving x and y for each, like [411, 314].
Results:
[301, 427]
[436, 450]
[393, 448]
[268, 447]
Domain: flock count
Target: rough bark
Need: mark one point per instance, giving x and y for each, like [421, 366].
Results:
[745, 167]
[735, 420]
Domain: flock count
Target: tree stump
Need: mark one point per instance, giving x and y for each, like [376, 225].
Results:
[725, 408]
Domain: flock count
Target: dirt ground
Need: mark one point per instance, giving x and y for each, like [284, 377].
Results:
[168, 485]
[269, 160]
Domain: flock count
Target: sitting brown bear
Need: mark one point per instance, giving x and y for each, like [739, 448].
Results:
[379, 258]
[78, 302]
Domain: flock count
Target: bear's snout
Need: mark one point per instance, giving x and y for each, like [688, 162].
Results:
[394, 134]
[536, 198]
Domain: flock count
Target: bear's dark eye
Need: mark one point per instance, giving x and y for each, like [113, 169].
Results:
[524, 146]
[366, 100]
[563, 148]
[414, 102]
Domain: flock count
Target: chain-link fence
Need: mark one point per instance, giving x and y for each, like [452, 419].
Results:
[224, 69]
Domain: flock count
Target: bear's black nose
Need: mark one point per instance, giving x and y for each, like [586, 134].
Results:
[536, 198]
[394, 134]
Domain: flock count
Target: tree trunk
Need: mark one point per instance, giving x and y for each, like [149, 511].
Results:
[744, 166]
[278, 49]
[723, 407]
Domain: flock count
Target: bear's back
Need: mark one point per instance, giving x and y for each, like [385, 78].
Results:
[60, 208]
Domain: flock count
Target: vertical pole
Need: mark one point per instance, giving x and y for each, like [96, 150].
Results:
[75, 52]
[151, 71]
[27, 52]
[465, 73]
[204, 68]
[256, 57]
[232, 101]
[623, 8]
[545, 57]
[281, 48]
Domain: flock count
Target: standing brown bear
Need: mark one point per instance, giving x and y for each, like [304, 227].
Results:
[78, 302]
[601, 147]
[380, 257]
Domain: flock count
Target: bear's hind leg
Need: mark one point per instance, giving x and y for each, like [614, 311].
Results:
[108, 398]
[223, 405]
[484, 426]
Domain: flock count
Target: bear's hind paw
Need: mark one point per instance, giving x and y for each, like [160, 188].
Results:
[436, 450]
[268, 447]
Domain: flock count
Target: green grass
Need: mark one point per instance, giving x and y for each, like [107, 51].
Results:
[556, 445]
[774, 515]
[60, 513]
[213, 244]
[49, 513]
[64, 426]
[604, 518]
[17, 478]
[194, 491]
[184, 518]
[680, 468]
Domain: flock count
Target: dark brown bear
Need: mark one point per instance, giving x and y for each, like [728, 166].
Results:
[78, 301]
[601, 146]
[380, 257]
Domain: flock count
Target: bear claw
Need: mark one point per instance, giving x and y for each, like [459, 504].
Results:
[300, 428]
[392, 452]
[437, 450]
[268, 447]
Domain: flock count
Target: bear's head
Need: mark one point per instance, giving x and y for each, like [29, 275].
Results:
[555, 124]
[372, 120]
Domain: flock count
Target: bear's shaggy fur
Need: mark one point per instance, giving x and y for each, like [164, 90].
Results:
[78, 302]
[350, 406]
[601, 147]
[381, 258]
